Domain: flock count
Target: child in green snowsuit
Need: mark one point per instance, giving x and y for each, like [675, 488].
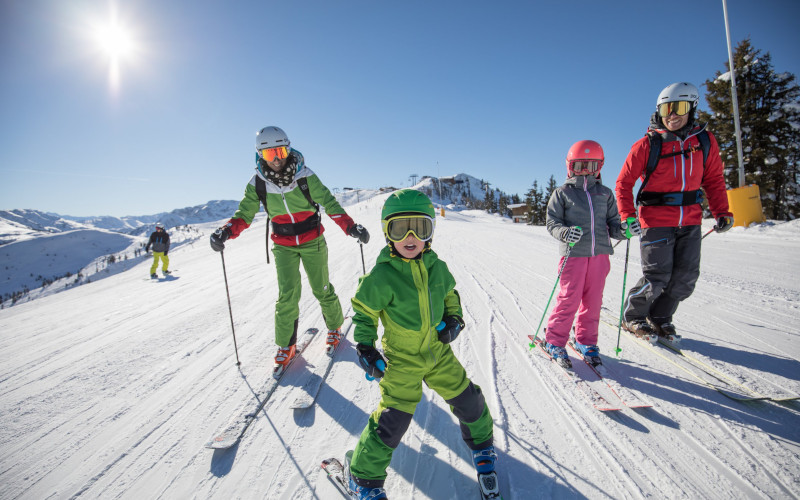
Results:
[413, 294]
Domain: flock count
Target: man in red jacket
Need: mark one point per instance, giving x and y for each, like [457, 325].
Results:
[669, 210]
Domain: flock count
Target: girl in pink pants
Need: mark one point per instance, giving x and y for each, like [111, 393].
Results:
[583, 215]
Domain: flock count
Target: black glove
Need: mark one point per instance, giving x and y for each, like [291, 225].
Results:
[724, 223]
[360, 232]
[452, 327]
[147, 249]
[371, 361]
[219, 237]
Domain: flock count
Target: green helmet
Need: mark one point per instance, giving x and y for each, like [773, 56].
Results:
[408, 201]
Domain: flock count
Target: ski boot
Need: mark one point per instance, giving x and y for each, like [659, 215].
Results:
[166, 273]
[487, 477]
[559, 355]
[641, 329]
[364, 492]
[666, 332]
[590, 353]
[154, 276]
[282, 360]
[332, 342]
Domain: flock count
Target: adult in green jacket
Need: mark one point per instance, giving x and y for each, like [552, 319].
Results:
[291, 194]
[412, 292]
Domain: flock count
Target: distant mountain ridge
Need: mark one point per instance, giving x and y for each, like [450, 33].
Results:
[47, 252]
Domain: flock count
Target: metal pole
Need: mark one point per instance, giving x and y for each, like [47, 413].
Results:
[734, 99]
[230, 310]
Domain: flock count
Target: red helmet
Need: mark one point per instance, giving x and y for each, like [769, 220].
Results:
[585, 157]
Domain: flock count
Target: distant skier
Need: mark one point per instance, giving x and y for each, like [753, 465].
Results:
[411, 291]
[291, 194]
[582, 212]
[670, 209]
[159, 239]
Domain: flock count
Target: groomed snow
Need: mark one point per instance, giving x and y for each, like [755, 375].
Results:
[111, 389]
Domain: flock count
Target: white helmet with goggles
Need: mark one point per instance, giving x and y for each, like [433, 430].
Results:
[271, 137]
[679, 98]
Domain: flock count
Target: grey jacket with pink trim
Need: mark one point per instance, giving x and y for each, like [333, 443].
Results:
[584, 201]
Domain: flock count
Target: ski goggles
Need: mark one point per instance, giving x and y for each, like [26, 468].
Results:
[398, 228]
[680, 108]
[581, 166]
[270, 154]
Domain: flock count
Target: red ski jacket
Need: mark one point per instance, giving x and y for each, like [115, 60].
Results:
[681, 172]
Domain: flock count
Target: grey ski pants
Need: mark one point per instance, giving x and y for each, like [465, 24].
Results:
[670, 268]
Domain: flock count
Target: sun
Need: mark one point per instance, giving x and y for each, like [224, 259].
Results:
[115, 41]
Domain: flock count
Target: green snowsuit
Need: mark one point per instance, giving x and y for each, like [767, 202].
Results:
[410, 297]
[288, 207]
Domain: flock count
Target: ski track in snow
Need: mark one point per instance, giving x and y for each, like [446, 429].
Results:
[111, 389]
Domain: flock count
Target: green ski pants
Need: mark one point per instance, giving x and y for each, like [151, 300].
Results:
[314, 256]
[164, 262]
[401, 390]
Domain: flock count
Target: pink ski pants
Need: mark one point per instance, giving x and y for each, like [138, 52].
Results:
[581, 291]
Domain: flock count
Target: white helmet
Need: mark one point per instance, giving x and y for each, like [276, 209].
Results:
[680, 91]
[159, 225]
[271, 137]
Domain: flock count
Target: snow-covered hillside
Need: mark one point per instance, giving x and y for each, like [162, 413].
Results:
[111, 389]
[41, 259]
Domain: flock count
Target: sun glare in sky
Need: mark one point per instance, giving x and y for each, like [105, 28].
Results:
[116, 43]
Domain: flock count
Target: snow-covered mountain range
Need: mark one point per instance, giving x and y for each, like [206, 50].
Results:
[46, 252]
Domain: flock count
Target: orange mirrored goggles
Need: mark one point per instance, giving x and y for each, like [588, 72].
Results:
[270, 154]
[680, 108]
[580, 166]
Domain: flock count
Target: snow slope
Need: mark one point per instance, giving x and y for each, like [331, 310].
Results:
[111, 389]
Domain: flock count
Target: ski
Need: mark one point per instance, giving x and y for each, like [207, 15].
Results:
[335, 471]
[595, 398]
[629, 398]
[489, 486]
[683, 362]
[725, 389]
[236, 428]
[722, 377]
[312, 386]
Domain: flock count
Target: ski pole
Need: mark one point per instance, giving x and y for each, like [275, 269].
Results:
[709, 231]
[230, 310]
[558, 278]
[622, 306]
[363, 267]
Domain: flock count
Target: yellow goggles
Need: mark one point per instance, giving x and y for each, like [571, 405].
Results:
[398, 228]
[270, 154]
[680, 108]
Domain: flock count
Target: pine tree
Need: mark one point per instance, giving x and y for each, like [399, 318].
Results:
[769, 115]
[551, 186]
[534, 199]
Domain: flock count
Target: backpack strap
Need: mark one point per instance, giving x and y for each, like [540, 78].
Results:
[261, 192]
[302, 183]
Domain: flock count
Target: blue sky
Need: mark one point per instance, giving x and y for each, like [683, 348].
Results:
[369, 91]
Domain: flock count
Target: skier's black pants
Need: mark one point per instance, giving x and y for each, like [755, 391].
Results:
[670, 267]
